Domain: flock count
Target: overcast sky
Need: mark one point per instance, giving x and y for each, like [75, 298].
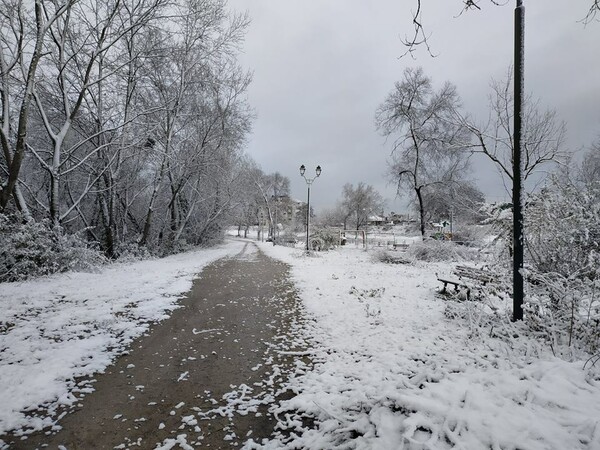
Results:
[321, 68]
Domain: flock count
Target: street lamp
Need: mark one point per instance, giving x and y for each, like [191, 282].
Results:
[309, 181]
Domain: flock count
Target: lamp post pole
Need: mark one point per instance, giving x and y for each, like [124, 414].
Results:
[309, 182]
[517, 152]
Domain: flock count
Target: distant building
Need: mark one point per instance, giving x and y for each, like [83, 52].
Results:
[376, 220]
[396, 219]
[289, 209]
[283, 209]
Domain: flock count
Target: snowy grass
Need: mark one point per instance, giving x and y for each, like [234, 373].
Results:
[61, 327]
[392, 370]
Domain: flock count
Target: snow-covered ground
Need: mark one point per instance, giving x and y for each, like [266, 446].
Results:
[56, 328]
[392, 371]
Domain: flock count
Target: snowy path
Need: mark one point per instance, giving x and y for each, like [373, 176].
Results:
[202, 378]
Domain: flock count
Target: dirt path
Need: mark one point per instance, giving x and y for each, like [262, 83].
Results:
[201, 378]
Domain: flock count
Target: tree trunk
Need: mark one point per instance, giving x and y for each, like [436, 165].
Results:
[153, 197]
[14, 166]
[54, 198]
[22, 204]
[107, 219]
[421, 211]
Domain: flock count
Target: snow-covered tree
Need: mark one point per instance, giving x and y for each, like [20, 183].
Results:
[119, 125]
[460, 202]
[24, 30]
[360, 202]
[589, 171]
[428, 145]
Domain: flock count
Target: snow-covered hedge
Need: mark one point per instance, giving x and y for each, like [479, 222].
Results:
[29, 249]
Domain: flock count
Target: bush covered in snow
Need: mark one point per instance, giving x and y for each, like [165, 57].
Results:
[432, 250]
[131, 251]
[471, 235]
[29, 249]
[563, 230]
[389, 257]
[323, 239]
[563, 249]
[562, 262]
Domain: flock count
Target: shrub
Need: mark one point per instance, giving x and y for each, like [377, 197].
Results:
[563, 253]
[323, 239]
[132, 251]
[387, 257]
[30, 249]
[471, 235]
[562, 263]
[564, 312]
[435, 251]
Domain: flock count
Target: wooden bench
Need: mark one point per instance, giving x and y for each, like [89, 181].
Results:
[401, 247]
[468, 278]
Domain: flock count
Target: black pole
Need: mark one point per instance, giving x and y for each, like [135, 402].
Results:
[308, 218]
[517, 152]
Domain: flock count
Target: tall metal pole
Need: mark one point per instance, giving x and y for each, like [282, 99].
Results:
[517, 152]
[276, 225]
[308, 218]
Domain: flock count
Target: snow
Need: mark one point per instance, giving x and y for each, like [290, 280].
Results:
[391, 368]
[392, 371]
[57, 328]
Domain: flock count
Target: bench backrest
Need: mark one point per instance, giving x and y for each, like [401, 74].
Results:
[482, 275]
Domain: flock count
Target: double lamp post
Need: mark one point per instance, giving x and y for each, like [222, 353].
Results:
[309, 181]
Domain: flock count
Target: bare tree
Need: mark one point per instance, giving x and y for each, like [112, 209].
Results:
[270, 188]
[247, 202]
[83, 51]
[198, 92]
[460, 202]
[543, 134]
[122, 121]
[428, 149]
[589, 172]
[20, 53]
[359, 203]
[334, 217]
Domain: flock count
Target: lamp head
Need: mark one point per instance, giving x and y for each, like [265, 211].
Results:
[302, 169]
[318, 171]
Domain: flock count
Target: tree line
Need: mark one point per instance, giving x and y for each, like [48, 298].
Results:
[124, 121]
[122, 128]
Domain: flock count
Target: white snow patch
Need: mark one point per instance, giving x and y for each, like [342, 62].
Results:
[170, 443]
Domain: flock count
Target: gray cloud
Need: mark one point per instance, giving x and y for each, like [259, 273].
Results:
[321, 68]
